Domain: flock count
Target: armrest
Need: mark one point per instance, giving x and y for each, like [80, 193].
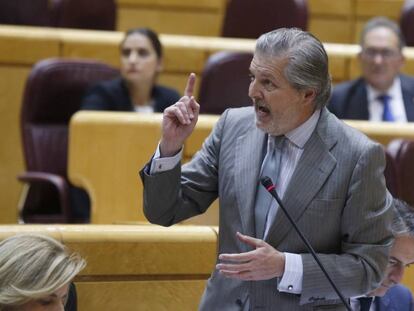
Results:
[59, 182]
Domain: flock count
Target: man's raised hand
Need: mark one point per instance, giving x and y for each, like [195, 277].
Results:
[179, 121]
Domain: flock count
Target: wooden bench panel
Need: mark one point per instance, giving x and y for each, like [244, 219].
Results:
[339, 30]
[329, 7]
[144, 295]
[136, 267]
[370, 8]
[108, 168]
[27, 45]
[136, 138]
[383, 132]
[205, 17]
[12, 80]
[408, 279]
[172, 21]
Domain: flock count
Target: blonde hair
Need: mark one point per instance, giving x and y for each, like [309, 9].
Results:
[33, 266]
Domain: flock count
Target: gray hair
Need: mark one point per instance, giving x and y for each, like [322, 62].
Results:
[403, 222]
[382, 22]
[307, 67]
[33, 266]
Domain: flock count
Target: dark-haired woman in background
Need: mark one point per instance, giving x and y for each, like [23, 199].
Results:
[136, 89]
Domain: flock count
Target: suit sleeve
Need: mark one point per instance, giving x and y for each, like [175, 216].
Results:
[366, 238]
[178, 194]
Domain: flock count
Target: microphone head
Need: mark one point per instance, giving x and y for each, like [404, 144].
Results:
[266, 182]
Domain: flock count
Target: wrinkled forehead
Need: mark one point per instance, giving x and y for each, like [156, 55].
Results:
[271, 60]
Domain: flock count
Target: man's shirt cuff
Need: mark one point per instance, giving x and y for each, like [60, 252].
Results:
[159, 165]
[291, 281]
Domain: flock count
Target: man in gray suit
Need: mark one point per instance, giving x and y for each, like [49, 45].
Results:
[329, 176]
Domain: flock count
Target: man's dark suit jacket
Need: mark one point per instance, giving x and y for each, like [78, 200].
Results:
[397, 298]
[113, 95]
[72, 302]
[349, 100]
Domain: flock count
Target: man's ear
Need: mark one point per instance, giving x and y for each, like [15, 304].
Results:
[309, 96]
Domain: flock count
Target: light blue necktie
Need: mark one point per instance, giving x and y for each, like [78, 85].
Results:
[270, 167]
[387, 113]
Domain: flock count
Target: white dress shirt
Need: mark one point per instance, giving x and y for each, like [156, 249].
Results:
[356, 307]
[376, 107]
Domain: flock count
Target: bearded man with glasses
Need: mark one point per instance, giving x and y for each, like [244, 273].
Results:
[382, 93]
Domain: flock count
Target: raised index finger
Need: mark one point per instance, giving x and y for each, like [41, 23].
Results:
[189, 89]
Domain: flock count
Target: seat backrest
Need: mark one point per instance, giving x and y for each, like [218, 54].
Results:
[390, 173]
[407, 22]
[27, 12]
[225, 82]
[403, 153]
[250, 19]
[52, 94]
[90, 14]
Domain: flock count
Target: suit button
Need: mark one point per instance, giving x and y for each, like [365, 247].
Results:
[239, 302]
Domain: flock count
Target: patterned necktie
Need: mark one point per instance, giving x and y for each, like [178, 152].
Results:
[386, 102]
[365, 303]
[270, 168]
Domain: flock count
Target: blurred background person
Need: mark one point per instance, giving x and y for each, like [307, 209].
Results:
[382, 93]
[136, 89]
[36, 274]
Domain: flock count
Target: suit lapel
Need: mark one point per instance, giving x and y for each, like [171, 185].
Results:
[314, 167]
[408, 97]
[249, 156]
[358, 103]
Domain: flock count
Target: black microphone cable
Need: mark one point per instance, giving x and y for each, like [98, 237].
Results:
[268, 184]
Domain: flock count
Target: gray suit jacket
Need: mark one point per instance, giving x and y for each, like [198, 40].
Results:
[337, 195]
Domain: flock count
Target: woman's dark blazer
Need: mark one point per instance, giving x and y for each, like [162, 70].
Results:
[113, 95]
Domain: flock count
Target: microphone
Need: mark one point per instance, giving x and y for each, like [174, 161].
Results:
[270, 187]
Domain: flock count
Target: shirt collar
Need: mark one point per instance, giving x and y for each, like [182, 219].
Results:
[392, 91]
[300, 135]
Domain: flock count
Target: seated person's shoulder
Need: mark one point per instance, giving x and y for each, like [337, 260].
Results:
[164, 97]
[342, 89]
[167, 93]
[100, 95]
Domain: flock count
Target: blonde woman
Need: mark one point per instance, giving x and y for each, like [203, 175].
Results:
[36, 272]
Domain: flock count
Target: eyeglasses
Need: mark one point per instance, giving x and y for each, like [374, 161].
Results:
[384, 53]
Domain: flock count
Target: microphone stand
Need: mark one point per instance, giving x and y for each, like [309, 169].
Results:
[268, 184]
